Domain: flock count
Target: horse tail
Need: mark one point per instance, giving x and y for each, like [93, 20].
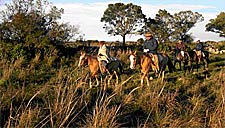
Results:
[170, 65]
[121, 67]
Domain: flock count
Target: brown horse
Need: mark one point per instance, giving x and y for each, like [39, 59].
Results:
[93, 63]
[146, 63]
[181, 57]
[199, 58]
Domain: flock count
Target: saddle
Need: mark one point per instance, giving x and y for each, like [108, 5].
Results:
[157, 60]
[108, 65]
[199, 53]
[156, 57]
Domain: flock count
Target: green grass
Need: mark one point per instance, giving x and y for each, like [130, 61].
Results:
[41, 95]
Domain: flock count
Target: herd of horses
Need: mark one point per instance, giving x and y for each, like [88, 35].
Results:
[188, 61]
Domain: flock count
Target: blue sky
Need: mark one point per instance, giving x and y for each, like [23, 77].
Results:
[87, 14]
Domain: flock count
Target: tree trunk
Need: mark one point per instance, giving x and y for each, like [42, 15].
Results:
[123, 40]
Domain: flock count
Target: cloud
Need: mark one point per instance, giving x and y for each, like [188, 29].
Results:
[199, 31]
[87, 17]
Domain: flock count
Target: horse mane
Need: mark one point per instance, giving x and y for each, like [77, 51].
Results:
[91, 58]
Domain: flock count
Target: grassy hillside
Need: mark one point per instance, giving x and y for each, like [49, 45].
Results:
[43, 93]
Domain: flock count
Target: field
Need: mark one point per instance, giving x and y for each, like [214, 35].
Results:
[53, 92]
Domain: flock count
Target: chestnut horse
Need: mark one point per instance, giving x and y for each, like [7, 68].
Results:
[146, 63]
[93, 63]
[181, 58]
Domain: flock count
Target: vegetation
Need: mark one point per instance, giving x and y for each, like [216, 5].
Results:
[39, 95]
[121, 19]
[169, 27]
[41, 85]
[217, 25]
[28, 28]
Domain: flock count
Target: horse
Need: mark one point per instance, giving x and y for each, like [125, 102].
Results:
[146, 63]
[112, 68]
[181, 57]
[199, 58]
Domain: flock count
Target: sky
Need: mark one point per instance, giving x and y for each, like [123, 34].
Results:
[87, 14]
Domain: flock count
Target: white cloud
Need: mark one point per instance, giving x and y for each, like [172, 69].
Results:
[88, 16]
[199, 30]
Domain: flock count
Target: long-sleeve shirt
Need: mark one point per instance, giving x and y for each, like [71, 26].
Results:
[103, 54]
[150, 45]
[180, 47]
[200, 46]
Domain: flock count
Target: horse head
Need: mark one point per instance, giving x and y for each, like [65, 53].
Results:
[82, 59]
[133, 60]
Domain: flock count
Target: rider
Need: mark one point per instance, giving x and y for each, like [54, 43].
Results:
[200, 47]
[180, 46]
[150, 46]
[103, 56]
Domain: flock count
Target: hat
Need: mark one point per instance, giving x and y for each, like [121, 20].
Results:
[148, 34]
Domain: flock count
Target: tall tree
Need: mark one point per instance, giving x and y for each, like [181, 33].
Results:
[217, 25]
[122, 19]
[161, 25]
[183, 22]
[173, 27]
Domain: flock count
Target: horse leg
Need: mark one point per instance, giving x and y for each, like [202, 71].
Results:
[142, 79]
[146, 77]
[180, 66]
[174, 64]
[205, 64]
[90, 83]
[185, 63]
[117, 78]
[110, 78]
[197, 64]
[170, 65]
[121, 67]
[163, 75]
[156, 71]
[97, 81]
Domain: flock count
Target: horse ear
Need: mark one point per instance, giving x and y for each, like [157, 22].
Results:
[130, 52]
[82, 53]
[135, 52]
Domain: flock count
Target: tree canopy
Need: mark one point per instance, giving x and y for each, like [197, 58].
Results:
[160, 27]
[122, 19]
[166, 26]
[33, 25]
[217, 25]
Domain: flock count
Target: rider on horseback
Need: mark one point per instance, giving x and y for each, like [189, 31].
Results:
[103, 56]
[199, 49]
[180, 47]
[150, 46]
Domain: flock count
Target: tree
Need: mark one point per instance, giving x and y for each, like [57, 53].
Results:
[167, 27]
[33, 26]
[160, 27]
[217, 25]
[183, 22]
[121, 19]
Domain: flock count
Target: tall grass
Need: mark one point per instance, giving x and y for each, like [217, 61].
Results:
[37, 94]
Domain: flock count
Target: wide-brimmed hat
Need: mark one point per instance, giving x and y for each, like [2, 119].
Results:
[148, 34]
